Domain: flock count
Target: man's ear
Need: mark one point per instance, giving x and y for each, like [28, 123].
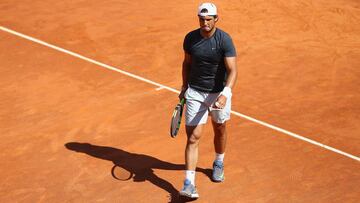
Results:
[216, 19]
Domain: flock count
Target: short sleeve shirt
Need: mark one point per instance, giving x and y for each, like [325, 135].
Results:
[208, 72]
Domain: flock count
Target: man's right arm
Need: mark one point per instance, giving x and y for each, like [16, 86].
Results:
[186, 65]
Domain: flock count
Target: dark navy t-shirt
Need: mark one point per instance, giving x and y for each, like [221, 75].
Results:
[208, 72]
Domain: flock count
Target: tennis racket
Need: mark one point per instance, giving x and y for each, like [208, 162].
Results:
[176, 118]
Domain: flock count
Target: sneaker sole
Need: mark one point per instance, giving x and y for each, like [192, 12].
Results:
[192, 196]
[218, 180]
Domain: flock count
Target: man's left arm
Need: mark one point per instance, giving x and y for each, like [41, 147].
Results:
[231, 69]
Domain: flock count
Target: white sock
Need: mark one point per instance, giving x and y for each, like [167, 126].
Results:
[219, 157]
[190, 175]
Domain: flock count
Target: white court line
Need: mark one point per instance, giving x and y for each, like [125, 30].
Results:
[160, 86]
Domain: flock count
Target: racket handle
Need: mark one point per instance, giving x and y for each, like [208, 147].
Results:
[182, 101]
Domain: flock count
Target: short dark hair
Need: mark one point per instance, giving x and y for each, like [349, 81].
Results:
[204, 10]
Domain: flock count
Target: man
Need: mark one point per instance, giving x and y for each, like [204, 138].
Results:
[209, 73]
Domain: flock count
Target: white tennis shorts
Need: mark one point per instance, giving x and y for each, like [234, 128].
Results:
[199, 107]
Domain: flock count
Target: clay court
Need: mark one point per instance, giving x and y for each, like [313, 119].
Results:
[88, 89]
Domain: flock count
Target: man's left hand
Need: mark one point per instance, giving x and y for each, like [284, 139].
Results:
[220, 102]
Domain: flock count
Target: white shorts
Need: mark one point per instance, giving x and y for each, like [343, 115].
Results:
[199, 106]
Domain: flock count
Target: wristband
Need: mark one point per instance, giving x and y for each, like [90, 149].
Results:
[226, 92]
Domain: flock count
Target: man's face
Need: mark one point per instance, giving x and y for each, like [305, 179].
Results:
[207, 23]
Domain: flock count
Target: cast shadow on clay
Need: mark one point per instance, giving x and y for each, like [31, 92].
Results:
[139, 166]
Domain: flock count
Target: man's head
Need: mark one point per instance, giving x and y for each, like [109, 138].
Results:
[207, 14]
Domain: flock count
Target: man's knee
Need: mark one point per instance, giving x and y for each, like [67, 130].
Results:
[193, 134]
[192, 139]
[219, 128]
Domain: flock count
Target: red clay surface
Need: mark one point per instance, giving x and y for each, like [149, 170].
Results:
[65, 122]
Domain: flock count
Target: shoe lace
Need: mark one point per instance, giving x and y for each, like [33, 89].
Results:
[218, 165]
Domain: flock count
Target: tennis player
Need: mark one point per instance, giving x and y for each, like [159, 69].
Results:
[209, 73]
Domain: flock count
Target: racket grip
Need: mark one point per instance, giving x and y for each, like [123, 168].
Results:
[182, 101]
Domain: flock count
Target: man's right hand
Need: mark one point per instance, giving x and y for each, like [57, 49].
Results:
[182, 93]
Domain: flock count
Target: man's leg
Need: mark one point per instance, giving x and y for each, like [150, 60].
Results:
[192, 146]
[196, 114]
[191, 158]
[220, 137]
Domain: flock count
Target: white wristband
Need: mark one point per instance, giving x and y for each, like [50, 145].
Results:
[226, 92]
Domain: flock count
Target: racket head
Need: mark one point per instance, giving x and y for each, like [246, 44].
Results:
[176, 118]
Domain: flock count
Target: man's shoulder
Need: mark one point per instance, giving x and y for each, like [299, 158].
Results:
[222, 33]
[192, 33]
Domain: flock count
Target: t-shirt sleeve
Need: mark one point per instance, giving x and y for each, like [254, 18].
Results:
[186, 44]
[228, 47]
